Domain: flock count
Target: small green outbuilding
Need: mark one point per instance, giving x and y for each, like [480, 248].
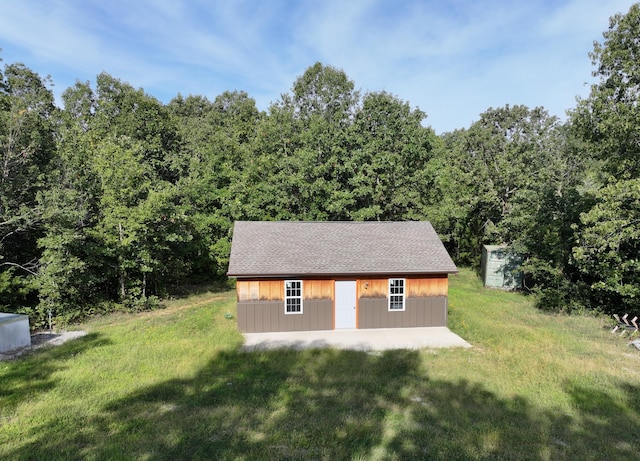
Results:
[501, 267]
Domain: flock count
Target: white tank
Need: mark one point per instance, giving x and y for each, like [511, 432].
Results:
[14, 332]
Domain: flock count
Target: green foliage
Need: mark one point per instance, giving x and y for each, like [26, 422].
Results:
[608, 241]
[609, 246]
[389, 158]
[125, 112]
[494, 175]
[27, 129]
[16, 292]
[116, 230]
[609, 117]
[326, 93]
[117, 200]
[322, 153]
[217, 142]
[301, 148]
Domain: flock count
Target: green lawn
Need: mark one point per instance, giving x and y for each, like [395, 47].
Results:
[173, 384]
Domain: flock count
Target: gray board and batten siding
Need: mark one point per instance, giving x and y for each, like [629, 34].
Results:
[262, 316]
[420, 312]
[344, 270]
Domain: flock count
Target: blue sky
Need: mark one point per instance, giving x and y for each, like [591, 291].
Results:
[452, 59]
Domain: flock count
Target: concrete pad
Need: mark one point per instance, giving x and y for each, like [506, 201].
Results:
[378, 339]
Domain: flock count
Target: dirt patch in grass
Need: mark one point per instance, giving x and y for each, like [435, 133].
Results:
[171, 308]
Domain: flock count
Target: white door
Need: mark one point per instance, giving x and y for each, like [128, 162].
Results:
[345, 304]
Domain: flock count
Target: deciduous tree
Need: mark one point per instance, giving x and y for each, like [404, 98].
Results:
[608, 119]
[27, 146]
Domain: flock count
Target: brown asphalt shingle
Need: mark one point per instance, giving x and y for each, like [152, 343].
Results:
[294, 248]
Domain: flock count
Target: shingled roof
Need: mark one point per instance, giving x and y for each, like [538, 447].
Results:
[340, 248]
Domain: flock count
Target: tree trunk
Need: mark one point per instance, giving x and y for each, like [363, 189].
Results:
[120, 259]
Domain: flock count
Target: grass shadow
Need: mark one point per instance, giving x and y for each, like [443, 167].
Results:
[32, 372]
[333, 405]
[612, 421]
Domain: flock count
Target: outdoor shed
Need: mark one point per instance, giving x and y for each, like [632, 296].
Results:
[500, 267]
[14, 331]
[295, 276]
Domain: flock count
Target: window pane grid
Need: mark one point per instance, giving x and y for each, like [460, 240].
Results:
[293, 297]
[293, 305]
[396, 294]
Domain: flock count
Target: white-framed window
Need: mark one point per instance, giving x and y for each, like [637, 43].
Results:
[293, 296]
[396, 294]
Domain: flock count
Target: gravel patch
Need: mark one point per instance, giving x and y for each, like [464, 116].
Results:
[40, 340]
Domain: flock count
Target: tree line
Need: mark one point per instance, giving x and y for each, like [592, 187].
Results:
[115, 199]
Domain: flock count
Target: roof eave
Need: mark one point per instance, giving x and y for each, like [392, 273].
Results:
[339, 274]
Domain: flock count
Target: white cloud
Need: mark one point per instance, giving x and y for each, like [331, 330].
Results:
[452, 59]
